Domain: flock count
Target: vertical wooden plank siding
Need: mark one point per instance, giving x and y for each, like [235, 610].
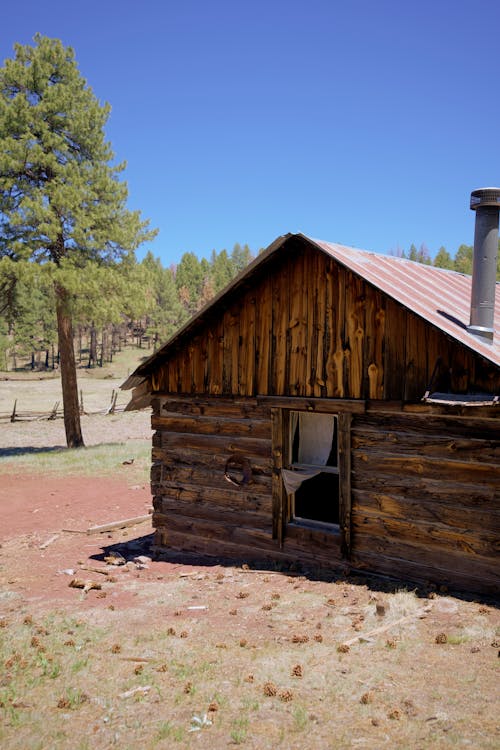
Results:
[318, 377]
[297, 328]
[344, 447]
[218, 372]
[264, 317]
[234, 324]
[417, 369]
[170, 368]
[340, 338]
[178, 367]
[462, 370]
[309, 327]
[330, 369]
[199, 362]
[246, 362]
[279, 358]
[437, 358]
[230, 327]
[395, 351]
[373, 375]
[355, 333]
[214, 358]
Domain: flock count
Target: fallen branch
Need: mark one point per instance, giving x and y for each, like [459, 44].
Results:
[420, 613]
[91, 569]
[138, 658]
[53, 413]
[74, 531]
[112, 406]
[49, 541]
[118, 524]
[129, 693]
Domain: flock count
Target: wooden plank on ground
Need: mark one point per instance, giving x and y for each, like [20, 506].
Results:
[118, 524]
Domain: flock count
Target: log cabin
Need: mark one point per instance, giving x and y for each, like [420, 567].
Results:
[332, 407]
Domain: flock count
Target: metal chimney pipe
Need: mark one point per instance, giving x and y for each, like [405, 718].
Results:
[486, 203]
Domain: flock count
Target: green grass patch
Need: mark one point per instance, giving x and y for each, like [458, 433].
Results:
[98, 460]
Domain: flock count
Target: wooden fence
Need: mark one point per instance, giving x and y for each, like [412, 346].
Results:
[57, 411]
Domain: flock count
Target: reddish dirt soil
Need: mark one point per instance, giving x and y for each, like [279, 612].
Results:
[60, 510]
[212, 611]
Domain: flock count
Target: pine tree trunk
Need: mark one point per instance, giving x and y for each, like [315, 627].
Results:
[93, 346]
[69, 383]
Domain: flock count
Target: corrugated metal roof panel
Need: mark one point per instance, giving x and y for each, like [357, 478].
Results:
[439, 296]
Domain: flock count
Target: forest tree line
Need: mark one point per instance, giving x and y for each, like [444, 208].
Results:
[131, 302]
[141, 303]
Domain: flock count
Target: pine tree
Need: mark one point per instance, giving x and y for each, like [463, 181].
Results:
[61, 200]
[423, 255]
[240, 257]
[164, 311]
[222, 270]
[443, 259]
[189, 279]
[463, 259]
[413, 253]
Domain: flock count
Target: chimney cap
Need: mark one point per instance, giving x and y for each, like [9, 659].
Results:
[488, 196]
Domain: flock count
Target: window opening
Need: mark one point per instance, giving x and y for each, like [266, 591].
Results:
[312, 479]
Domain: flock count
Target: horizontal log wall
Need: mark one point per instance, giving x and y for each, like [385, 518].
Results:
[426, 498]
[425, 489]
[197, 509]
[304, 332]
[305, 326]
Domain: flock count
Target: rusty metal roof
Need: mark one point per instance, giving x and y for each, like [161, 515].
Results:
[437, 295]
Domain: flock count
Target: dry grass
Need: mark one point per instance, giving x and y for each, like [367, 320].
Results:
[39, 391]
[105, 676]
[38, 446]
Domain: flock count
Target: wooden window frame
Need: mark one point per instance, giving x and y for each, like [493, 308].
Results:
[325, 469]
[280, 422]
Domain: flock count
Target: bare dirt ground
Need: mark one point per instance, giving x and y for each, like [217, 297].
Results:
[185, 652]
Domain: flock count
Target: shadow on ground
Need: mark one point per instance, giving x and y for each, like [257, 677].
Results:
[30, 450]
[133, 548]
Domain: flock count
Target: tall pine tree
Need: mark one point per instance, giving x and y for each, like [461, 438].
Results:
[61, 200]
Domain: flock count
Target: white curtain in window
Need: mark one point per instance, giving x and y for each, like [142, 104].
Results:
[315, 438]
[293, 479]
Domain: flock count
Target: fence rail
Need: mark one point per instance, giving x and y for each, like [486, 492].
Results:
[57, 412]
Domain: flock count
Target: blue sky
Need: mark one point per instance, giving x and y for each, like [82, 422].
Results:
[365, 123]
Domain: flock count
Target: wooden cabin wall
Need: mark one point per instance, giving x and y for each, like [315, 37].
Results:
[425, 498]
[307, 327]
[425, 490]
[197, 509]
